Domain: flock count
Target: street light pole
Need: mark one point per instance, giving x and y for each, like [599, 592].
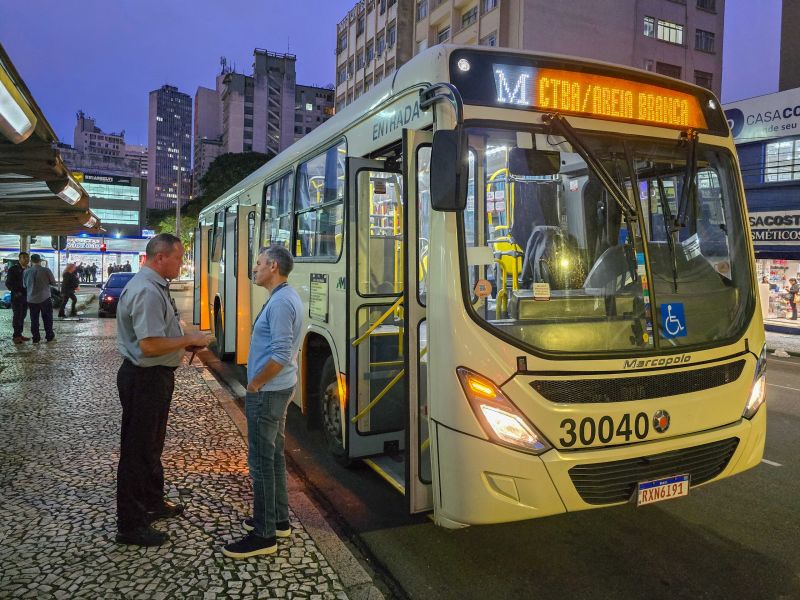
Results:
[178, 202]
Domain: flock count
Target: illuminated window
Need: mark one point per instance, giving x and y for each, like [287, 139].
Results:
[704, 40]
[782, 160]
[670, 32]
[650, 27]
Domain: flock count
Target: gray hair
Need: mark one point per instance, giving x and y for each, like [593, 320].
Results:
[279, 255]
[163, 243]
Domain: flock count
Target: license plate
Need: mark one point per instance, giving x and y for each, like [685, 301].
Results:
[657, 490]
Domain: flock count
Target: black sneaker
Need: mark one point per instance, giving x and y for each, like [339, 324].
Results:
[250, 545]
[282, 528]
[145, 536]
[167, 511]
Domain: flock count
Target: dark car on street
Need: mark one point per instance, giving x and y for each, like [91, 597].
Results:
[109, 295]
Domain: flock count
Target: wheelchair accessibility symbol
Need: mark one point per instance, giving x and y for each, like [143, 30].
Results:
[673, 321]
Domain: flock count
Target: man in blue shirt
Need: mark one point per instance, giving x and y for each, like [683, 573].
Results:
[271, 381]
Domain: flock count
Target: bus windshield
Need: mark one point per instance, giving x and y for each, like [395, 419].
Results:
[559, 262]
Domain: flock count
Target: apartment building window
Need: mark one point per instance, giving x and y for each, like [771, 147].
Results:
[709, 5]
[422, 45]
[380, 45]
[342, 45]
[704, 40]
[360, 60]
[781, 161]
[489, 40]
[382, 8]
[650, 27]
[422, 9]
[367, 85]
[670, 32]
[443, 35]
[370, 52]
[703, 79]
[469, 17]
[487, 5]
[668, 70]
[350, 69]
[360, 25]
[391, 34]
[341, 76]
[392, 3]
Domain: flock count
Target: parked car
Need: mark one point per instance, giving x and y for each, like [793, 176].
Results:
[110, 292]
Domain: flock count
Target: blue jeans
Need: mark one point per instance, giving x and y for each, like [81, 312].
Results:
[266, 420]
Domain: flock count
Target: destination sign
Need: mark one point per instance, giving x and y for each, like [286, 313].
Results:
[596, 96]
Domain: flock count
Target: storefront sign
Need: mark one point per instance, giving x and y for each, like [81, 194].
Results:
[764, 117]
[781, 228]
[79, 243]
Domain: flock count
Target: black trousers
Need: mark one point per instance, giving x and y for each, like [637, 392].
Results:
[46, 310]
[19, 307]
[67, 295]
[145, 394]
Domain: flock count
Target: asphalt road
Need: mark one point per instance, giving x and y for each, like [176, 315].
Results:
[735, 539]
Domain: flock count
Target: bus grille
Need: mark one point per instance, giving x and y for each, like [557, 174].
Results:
[605, 483]
[625, 389]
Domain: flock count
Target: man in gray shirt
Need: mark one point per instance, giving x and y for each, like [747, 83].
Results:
[152, 342]
[38, 280]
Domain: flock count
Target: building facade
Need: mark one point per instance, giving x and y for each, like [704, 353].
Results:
[207, 134]
[679, 38]
[138, 154]
[90, 139]
[169, 144]
[313, 106]
[789, 73]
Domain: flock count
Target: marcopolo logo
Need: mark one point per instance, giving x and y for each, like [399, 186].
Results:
[735, 120]
[639, 363]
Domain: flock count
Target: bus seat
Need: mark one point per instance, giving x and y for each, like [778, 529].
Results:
[610, 272]
[541, 243]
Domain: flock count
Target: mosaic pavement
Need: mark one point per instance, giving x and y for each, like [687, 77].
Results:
[59, 438]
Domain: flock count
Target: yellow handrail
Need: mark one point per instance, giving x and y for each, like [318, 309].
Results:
[377, 323]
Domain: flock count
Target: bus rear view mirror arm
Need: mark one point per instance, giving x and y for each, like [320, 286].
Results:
[449, 171]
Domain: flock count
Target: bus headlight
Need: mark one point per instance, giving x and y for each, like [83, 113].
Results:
[500, 419]
[758, 394]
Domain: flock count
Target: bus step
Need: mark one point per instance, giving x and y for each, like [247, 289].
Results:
[390, 469]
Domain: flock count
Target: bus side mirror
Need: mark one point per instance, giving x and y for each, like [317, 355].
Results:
[448, 172]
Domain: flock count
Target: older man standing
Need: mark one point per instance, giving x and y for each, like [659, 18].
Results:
[38, 280]
[271, 380]
[19, 297]
[152, 342]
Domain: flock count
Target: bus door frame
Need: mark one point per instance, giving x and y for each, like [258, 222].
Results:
[358, 445]
[244, 246]
[197, 256]
[229, 276]
[418, 493]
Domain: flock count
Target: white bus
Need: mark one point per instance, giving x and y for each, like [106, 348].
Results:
[529, 284]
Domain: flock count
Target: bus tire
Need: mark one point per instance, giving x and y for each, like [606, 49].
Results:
[219, 333]
[331, 414]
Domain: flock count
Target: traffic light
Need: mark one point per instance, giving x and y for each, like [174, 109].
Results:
[102, 247]
[59, 242]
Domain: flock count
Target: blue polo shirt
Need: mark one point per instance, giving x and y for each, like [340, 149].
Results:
[276, 336]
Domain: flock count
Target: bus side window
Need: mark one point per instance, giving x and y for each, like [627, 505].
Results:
[219, 225]
[275, 228]
[319, 204]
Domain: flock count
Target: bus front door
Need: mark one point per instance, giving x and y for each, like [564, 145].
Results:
[416, 160]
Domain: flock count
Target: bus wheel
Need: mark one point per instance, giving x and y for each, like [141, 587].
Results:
[219, 331]
[331, 413]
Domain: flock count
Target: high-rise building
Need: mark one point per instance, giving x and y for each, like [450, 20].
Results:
[679, 38]
[313, 106]
[207, 134]
[169, 148]
[90, 139]
[789, 76]
[137, 153]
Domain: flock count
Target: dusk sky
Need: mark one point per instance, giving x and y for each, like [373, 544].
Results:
[104, 56]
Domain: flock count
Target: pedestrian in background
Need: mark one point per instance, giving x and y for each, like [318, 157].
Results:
[69, 285]
[271, 381]
[19, 297]
[794, 291]
[152, 343]
[38, 280]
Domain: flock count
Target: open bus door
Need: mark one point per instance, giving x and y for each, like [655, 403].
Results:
[416, 175]
[245, 235]
[198, 273]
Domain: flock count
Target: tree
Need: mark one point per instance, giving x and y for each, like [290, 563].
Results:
[226, 171]
[188, 224]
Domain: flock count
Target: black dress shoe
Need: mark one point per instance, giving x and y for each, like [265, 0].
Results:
[145, 536]
[167, 511]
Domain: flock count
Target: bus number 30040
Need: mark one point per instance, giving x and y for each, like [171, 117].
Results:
[604, 430]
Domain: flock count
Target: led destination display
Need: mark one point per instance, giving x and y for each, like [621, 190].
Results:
[596, 96]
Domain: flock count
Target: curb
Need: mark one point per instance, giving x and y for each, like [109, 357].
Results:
[356, 582]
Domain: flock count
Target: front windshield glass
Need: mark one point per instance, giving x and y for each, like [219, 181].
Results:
[554, 263]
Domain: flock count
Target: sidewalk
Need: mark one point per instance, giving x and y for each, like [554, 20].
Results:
[59, 439]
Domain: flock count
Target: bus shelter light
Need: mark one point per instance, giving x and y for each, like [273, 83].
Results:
[500, 419]
[67, 190]
[17, 120]
[91, 221]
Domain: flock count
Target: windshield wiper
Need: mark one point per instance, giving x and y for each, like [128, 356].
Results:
[688, 137]
[566, 131]
[669, 231]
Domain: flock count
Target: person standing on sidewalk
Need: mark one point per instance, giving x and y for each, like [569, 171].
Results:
[152, 343]
[271, 381]
[19, 297]
[69, 285]
[38, 280]
[794, 292]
